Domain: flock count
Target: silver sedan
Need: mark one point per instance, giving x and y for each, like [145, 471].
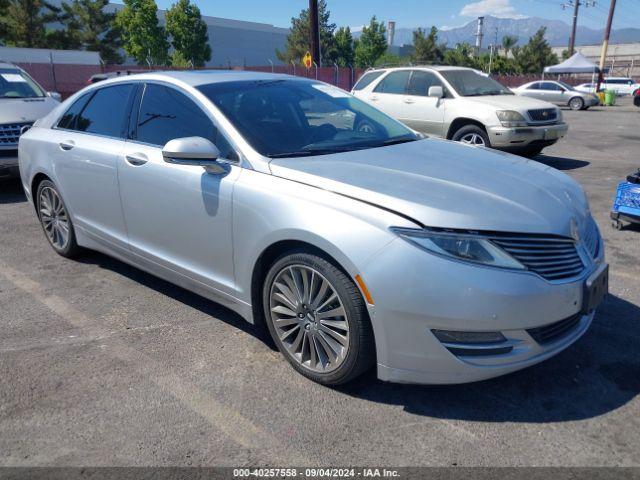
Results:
[559, 93]
[356, 242]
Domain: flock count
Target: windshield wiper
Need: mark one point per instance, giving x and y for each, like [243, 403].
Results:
[396, 141]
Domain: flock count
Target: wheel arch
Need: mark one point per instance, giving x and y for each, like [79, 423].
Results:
[37, 179]
[267, 258]
[460, 122]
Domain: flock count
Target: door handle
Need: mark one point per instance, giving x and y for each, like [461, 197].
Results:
[136, 159]
[408, 100]
[67, 145]
[373, 98]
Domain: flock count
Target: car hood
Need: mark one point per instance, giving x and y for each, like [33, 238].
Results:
[18, 110]
[510, 102]
[444, 184]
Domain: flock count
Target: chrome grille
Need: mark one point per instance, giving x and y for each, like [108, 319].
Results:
[543, 115]
[553, 258]
[10, 133]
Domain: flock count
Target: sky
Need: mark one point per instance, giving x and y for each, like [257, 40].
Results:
[414, 13]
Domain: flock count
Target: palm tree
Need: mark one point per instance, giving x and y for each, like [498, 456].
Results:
[508, 42]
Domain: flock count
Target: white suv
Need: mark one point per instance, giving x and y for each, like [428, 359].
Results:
[460, 104]
[22, 102]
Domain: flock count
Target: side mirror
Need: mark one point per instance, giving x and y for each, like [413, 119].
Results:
[196, 151]
[55, 96]
[436, 91]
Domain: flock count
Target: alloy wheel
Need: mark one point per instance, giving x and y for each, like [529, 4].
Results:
[472, 139]
[309, 318]
[576, 104]
[54, 218]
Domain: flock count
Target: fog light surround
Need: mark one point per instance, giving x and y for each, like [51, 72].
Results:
[473, 338]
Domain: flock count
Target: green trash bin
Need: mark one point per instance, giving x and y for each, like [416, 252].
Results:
[609, 97]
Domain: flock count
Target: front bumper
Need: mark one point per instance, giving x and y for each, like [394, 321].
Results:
[416, 292]
[503, 137]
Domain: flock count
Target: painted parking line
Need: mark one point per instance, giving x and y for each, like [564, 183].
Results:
[225, 419]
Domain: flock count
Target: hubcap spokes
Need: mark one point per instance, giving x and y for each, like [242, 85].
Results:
[472, 139]
[54, 218]
[309, 318]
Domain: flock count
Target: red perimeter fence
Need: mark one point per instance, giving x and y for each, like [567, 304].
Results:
[68, 79]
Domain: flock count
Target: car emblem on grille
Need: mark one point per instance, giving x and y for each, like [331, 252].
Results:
[545, 113]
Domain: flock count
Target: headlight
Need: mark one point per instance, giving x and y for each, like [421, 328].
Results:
[466, 247]
[511, 118]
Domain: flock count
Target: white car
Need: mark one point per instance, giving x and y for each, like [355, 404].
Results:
[460, 104]
[621, 85]
[22, 102]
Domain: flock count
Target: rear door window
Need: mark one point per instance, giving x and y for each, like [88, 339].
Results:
[68, 120]
[106, 112]
[366, 79]
[394, 83]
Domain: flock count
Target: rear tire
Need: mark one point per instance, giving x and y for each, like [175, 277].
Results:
[576, 103]
[328, 340]
[55, 220]
[472, 135]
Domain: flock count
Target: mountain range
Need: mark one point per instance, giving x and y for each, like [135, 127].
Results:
[557, 35]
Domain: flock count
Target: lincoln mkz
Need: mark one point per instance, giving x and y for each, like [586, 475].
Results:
[356, 241]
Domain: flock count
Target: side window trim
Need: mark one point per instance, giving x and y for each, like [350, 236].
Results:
[135, 116]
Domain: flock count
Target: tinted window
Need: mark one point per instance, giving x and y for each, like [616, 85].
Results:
[550, 86]
[366, 79]
[106, 111]
[296, 118]
[534, 86]
[166, 114]
[395, 82]
[68, 120]
[420, 83]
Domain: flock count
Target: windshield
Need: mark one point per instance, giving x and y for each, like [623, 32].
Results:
[471, 84]
[16, 84]
[292, 118]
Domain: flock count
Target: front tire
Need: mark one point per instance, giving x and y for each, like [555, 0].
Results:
[317, 318]
[576, 103]
[472, 135]
[55, 220]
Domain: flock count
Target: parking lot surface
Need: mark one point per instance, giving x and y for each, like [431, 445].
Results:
[104, 365]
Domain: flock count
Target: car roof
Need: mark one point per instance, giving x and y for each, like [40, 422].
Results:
[437, 68]
[196, 78]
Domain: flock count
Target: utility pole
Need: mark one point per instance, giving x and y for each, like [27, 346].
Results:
[576, 4]
[479, 35]
[605, 43]
[314, 32]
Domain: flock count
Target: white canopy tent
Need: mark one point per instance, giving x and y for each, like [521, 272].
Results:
[576, 64]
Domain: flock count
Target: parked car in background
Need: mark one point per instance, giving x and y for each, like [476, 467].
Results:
[621, 85]
[22, 102]
[300, 206]
[586, 87]
[460, 104]
[559, 93]
[99, 77]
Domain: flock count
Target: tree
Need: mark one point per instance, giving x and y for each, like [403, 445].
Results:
[142, 37]
[425, 47]
[86, 25]
[371, 45]
[345, 54]
[189, 35]
[535, 55]
[24, 22]
[4, 4]
[462, 56]
[508, 42]
[298, 40]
